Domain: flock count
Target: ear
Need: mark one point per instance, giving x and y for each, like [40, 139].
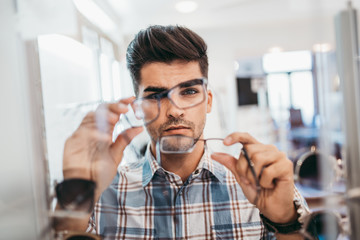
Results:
[209, 101]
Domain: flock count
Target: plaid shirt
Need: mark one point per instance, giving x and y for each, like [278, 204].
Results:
[147, 202]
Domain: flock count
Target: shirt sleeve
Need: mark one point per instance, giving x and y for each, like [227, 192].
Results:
[91, 225]
[303, 208]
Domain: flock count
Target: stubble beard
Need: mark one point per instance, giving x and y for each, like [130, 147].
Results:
[156, 134]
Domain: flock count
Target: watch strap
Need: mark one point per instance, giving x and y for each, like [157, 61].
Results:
[283, 228]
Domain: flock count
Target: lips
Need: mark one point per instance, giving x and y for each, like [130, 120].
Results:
[177, 130]
[177, 127]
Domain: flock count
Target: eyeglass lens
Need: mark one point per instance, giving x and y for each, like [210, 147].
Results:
[323, 225]
[311, 169]
[184, 95]
[176, 144]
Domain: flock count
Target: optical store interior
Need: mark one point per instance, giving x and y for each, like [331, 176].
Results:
[284, 71]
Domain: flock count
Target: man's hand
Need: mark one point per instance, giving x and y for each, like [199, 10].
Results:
[275, 174]
[90, 152]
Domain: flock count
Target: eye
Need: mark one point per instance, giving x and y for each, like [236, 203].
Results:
[189, 91]
[153, 96]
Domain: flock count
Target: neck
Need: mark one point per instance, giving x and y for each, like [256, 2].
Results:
[181, 164]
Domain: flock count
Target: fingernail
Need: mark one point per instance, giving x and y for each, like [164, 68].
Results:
[228, 139]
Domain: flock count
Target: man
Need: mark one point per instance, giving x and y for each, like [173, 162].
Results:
[177, 196]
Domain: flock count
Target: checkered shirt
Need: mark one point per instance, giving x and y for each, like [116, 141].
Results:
[147, 202]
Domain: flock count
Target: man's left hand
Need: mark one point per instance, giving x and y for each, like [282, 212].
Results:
[274, 172]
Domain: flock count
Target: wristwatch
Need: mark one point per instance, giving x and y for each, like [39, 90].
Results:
[286, 228]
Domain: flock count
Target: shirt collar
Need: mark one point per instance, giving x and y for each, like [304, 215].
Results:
[151, 166]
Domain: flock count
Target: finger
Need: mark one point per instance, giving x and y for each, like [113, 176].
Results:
[264, 159]
[88, 119]
[226, 160]
[259, 147]
[279, 171]
[105, 120]
[242, 137]
[121, 106]
[123, 140]
[230, 163]
[117, 108]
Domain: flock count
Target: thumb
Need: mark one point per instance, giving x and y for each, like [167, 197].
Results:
[123, 140]
[225, 159]
[230, 163]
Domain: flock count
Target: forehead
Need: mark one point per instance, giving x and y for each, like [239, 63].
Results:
[167, 75]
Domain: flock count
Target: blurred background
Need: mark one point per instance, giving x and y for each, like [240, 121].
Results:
[276, 68]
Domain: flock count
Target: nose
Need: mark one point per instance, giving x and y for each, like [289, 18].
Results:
[171, 110]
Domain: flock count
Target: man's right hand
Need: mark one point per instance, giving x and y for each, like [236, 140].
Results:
[90, 153]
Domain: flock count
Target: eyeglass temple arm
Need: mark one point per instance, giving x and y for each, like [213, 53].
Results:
[252, 169]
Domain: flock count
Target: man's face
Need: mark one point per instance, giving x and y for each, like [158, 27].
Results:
[157, 77]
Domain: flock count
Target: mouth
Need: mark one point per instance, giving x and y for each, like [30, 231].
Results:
[178, 129]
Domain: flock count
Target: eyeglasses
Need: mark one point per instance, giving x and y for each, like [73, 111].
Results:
[180, 144]
[324, 224]
[185, 95]
[321, 174]
[315, 169]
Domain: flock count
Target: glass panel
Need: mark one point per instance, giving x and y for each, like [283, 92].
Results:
[279, 96]
[302, 92]
[287, 61]
[106, 78]
[70, 89]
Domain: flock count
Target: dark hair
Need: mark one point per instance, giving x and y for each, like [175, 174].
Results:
[165, 44]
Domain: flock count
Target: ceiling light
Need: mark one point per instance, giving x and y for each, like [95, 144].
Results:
[186, 6]
[95, 14]
[322, 47]
[275, 50]
[236, 65]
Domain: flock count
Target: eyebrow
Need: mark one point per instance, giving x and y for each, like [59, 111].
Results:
[182, 85]
[155, 89]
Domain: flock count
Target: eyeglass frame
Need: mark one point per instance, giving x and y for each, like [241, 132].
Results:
[340, 222]
[338, 172]
[190, 149]
[166, 94]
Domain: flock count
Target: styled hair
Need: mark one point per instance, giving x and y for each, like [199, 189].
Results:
[165, 44]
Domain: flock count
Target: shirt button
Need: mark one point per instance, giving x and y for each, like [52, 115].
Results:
[197, 171]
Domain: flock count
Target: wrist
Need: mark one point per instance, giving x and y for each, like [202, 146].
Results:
[282, 228]
[82, 173]
[289, 225]
[284, 216]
